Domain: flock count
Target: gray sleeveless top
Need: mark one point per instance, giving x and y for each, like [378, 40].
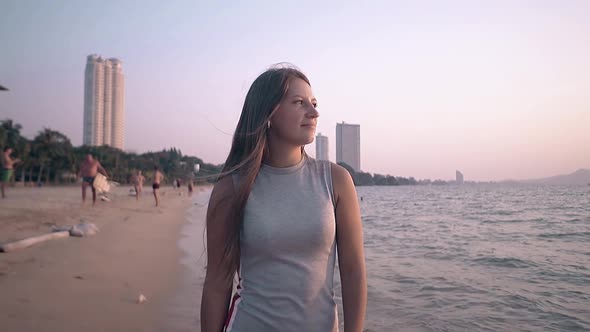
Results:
[288, 244]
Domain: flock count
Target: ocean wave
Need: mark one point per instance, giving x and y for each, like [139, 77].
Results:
[564, 235]
[504, 262]
[510, 221]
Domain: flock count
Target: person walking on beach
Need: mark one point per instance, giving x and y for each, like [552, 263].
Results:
[138, 180]
[158, 177]
[190, 185]
[89, 168]
[7, 168]
[276, 218]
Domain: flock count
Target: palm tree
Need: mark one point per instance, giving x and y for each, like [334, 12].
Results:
[9, 133]
[51, 148]
[24, 150]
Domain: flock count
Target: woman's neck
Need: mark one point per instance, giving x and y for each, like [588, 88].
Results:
[283, 156]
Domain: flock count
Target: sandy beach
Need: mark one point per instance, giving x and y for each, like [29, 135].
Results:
[92, 283]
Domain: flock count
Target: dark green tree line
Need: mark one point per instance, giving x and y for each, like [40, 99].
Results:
[368, 179]
[50, 157]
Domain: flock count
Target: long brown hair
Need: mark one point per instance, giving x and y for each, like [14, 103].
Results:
[249, 148]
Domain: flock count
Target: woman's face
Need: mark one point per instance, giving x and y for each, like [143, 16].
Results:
[295, 119]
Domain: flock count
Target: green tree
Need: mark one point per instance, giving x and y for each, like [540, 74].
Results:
[10, 133]
[24, 153]
[52, 150]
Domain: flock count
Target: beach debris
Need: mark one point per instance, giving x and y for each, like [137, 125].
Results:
[83, 229]
[141, 299]
[79, 277]
[65, 228]
[57, 232]
[11, 246]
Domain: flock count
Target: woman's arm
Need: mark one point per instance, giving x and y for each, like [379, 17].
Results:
[217, 288]
[351, 257]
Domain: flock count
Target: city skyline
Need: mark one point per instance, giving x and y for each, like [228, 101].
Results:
[104, 102]
[495, 89]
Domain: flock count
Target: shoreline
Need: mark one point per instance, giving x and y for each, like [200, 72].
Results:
[183, 311]
[92, 283]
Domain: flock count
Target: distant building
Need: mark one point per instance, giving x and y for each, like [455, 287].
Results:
[459, 177]
[348, 145]
[104, 102]
[321, 147]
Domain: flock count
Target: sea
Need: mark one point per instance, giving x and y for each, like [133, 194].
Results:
[473, 257]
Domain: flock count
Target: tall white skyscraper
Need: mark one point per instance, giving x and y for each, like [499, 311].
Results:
[104, 103]
[348, 145]
[459, 177]
[321, 147]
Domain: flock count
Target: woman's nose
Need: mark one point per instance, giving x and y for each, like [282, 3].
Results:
[312, 112]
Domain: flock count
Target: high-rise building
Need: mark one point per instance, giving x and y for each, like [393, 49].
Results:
[459, 177]
[348, 145]
[104, 103]
[321, 147]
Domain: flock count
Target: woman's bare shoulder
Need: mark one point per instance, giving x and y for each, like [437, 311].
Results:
[341, 180]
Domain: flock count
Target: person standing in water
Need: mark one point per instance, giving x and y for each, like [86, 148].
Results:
[276, 219]
[158, 177]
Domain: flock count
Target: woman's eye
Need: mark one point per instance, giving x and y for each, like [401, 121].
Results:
[300, 102]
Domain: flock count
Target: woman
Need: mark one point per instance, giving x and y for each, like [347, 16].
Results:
[138, 181]
[276, 218]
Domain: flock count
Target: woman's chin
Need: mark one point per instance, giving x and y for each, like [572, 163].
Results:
[302, 140]
[308, 140]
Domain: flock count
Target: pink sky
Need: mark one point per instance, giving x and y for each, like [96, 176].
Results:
[497, 89]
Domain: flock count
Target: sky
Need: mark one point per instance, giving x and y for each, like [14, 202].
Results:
[496, 89]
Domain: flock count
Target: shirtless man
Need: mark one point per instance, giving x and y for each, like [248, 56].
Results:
[137, 181]
[7, 168]
[158, 177]
[88, 170]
